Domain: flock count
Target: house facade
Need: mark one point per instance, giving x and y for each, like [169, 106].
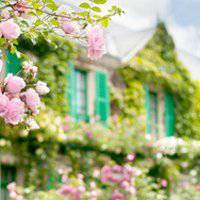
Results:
[88, 95]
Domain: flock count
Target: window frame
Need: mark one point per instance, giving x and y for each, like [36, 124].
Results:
[85, 92]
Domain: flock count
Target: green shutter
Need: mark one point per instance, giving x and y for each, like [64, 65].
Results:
[13, 63]
[71, 90]
[148, 109]
[102, 104]
[169, 114]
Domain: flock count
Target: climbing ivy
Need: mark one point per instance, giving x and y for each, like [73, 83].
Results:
[158, 65]
[52, 60]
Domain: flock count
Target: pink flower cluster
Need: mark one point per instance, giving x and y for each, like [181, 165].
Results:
[70, 191]
[68, 26]
[13, 194]
[18, 100]
[95, 37]
[121, 176]
[96, 43]
[9, 30]
[116, 195]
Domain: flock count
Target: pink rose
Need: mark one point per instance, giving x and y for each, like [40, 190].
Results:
[5, 13]
[67, 26]
[3, 104]
[163, 183]
[42, 88]
[130, 157]
[29, 68]
[197, 187]
[96, 46]
[19, 197]
[32, 100]
[33, 125]
[14, 84]
[12, 194]
[116, 195]
[12, 186]
[15, 111]
[10, 30]
[89, 135]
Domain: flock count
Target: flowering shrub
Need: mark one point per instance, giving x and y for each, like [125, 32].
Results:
[19, 101]
[154, 169]
[115, 183]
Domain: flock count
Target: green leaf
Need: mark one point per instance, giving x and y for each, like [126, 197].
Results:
[96, 9]
[105, 22]
[83, 14]
[38, 22]
[37, 5]
[55, 22]
[52, 6]
[99, 1]
[84, 5]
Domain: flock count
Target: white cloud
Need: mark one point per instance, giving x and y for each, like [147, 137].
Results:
[186, 38]
[140, 14]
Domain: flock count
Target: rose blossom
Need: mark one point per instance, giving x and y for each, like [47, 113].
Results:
[70, 191]
[3, 104]
[29, 68]
[197, 187]
[116, 195]
[42, 88]
[67, 26]
[15, 111]
[12, 186]
[14, 84]
[96, 47]
[130, 157]
[13, 195]
[5, 14]
[33, 125]
[9, 29]
[163, 183]
[32, 99]
[19, 197]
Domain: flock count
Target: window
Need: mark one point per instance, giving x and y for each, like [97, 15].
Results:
[77, 93]
[160, 113]
[152, 111]
[81, 95]
[7, 175]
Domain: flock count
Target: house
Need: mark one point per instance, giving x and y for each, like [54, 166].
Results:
[88, 90]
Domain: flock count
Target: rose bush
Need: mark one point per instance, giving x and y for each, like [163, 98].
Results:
[19, 101]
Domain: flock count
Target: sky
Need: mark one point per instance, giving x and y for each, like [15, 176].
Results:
[182, 18]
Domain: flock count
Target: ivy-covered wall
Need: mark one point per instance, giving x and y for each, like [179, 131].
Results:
[158, 65]
[52, 61]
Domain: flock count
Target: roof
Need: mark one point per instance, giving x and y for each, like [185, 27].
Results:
[123, 43]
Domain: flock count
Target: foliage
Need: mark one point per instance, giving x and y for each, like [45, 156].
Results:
[45, 17]
[85, 148]
[157, 65]
[55, 57]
